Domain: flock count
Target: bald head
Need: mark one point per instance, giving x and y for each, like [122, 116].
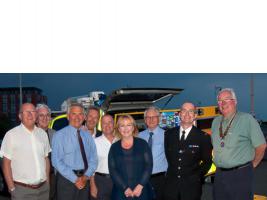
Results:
[187, 114]
[107, 124]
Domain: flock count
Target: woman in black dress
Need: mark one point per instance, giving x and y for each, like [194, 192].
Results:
[130, 163]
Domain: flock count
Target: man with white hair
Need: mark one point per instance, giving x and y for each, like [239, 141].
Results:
[43, 120]
[239, 146]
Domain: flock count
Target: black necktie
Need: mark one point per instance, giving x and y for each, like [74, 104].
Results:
[150, 139]
[82, 151]
[183, 136]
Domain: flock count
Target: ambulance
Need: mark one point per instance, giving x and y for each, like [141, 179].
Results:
[134, 101]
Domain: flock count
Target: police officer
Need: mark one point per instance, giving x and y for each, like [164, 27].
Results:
[189, 155]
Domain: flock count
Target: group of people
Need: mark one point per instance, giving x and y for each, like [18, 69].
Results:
[79, 163]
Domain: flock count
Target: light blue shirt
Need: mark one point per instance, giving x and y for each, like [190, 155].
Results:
[159, 159]
[66, 153]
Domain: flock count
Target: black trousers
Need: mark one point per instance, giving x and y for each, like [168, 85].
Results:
[66, 190]
[157, 183]
[234, 185]
[188, 188]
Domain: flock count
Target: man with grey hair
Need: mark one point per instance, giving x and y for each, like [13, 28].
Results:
[43, 120]
[154, 135]
[26, 164]
[239, 146]
[74, 157]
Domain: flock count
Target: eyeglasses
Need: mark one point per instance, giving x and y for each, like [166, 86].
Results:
[44, 115]
[151, 117]
[29, 111]
[224, 101]
[190, 112]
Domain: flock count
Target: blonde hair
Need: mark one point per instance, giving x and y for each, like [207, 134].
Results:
[125, 117]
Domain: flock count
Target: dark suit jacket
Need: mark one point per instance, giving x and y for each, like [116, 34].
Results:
[50, 134]
[128, 169]
[195, 154]
[98, 133]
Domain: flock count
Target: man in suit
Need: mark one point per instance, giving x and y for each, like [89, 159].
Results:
[91, 121]
[43, 119]
[189, 155]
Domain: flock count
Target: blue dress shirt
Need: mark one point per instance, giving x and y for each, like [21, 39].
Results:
[159, 159]
[66, 153]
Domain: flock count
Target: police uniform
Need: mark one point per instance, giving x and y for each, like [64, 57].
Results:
[188, 162]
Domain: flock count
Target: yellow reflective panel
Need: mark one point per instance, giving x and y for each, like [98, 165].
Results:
[212, 170]
[55, 119]
[259, 197]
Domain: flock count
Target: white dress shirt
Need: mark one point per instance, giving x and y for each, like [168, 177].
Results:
[102, 147]
[186, 132]
[27, 151]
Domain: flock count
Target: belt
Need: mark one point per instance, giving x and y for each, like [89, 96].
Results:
[158, 174]
[235, 168]
[29, 185]
[79, 172]
[102, 174]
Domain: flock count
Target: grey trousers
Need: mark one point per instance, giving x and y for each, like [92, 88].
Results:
[24, 193]
[52, 193]
[104, 187]
[66, 190]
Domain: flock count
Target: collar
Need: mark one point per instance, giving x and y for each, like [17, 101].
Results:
[24, 127]
[74, 130]
[94, 133]
[154, 130]
[228, 118]
[105, 138]
[186, 130]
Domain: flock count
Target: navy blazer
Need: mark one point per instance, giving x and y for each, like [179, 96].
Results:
[196, 157]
